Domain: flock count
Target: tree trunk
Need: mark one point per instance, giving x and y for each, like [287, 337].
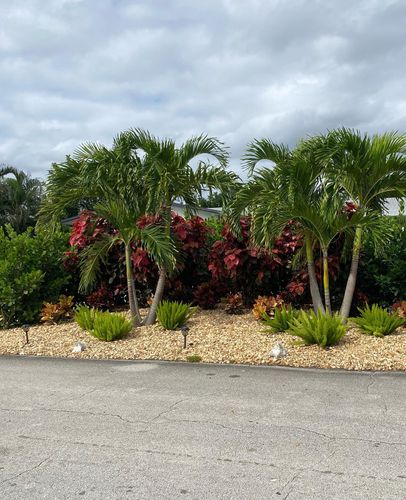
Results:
[150, 319]
[160, 287]
[326, 282]
[314, 287]
[132, 298]
[352, 277]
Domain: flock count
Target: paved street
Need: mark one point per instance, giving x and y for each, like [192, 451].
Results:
[105, 429]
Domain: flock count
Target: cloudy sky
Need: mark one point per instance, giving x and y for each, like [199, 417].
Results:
[83, 70]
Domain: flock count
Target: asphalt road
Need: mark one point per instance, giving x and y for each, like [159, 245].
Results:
[105, 429]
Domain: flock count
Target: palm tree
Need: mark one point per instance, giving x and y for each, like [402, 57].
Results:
[169, 177]
[368, 171]
[20, 198]
[294, 189]
[114, 179]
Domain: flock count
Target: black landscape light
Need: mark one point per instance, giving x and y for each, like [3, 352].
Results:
[26, 328]
[184, 330]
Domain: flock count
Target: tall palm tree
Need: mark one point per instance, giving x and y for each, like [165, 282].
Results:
[368, 170]
[169, 177]
[294, 189]
[20, 198]
[114, 179]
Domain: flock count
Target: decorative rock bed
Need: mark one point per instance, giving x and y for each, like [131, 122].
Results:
[217, 338]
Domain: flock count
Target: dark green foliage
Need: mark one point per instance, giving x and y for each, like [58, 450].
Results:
[84, 317]
[193, 358]
[322, 328]
[283, 316]
[377, 321]
[20, 198]
[382, 274]
[103, 325]
[110, 326]
[31, 273]
[173, 315]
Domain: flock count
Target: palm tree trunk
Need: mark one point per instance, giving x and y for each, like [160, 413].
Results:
[314, 287]
[352, 277]
[132, 298]
[326, 281]
[150, 319]
[160, 287]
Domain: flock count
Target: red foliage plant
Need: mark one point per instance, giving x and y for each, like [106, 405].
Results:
[249, 269]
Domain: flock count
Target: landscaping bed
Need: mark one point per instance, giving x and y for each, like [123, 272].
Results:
[217, 338]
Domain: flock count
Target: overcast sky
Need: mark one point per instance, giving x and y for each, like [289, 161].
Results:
[83, 70]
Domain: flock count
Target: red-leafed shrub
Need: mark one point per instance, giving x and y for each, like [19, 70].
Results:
[253, 271]
[102, 298]
[207, 295]
[191, 269]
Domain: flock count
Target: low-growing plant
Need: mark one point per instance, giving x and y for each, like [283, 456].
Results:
[400, 308]
[193, 358]
[282, 318]
[173, 315]
[377, 321]
[234, 304]
[264, 304]
[110, 326]
[63, 309]
[84, 317]
[320, 328]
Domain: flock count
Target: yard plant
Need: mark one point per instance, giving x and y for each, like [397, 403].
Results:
[377, 321]
[322, 328]
[172, 315]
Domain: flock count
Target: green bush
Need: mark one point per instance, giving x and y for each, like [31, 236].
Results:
[173, 315]
[110, 326]
[103, 325]
[84, 317]
[283, 316]
[382, 275]
[377, 321]
[31, 273]
[323, 329]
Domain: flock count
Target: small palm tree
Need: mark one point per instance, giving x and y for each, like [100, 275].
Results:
[20, 198]
[169, 177]
[368, 171]
[114, 179]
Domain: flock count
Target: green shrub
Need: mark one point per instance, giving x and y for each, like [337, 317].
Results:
[283, 316]
[110, 326]
[173, 315]
[31, 273]
[193, 358]
[377, 321]
[382, 275]
[323, 329]
[84, 317]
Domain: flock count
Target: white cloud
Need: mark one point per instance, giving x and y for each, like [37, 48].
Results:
[74, 71]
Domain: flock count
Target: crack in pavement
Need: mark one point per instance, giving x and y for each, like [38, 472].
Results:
[77, 412]
[372, 381]
[25, 471]
[298, 470]
[171, 408]
[188, 421]
[339, 438]
[150, 452]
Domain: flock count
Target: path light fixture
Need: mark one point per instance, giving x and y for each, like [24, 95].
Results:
[184, 330]
[26, 329]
